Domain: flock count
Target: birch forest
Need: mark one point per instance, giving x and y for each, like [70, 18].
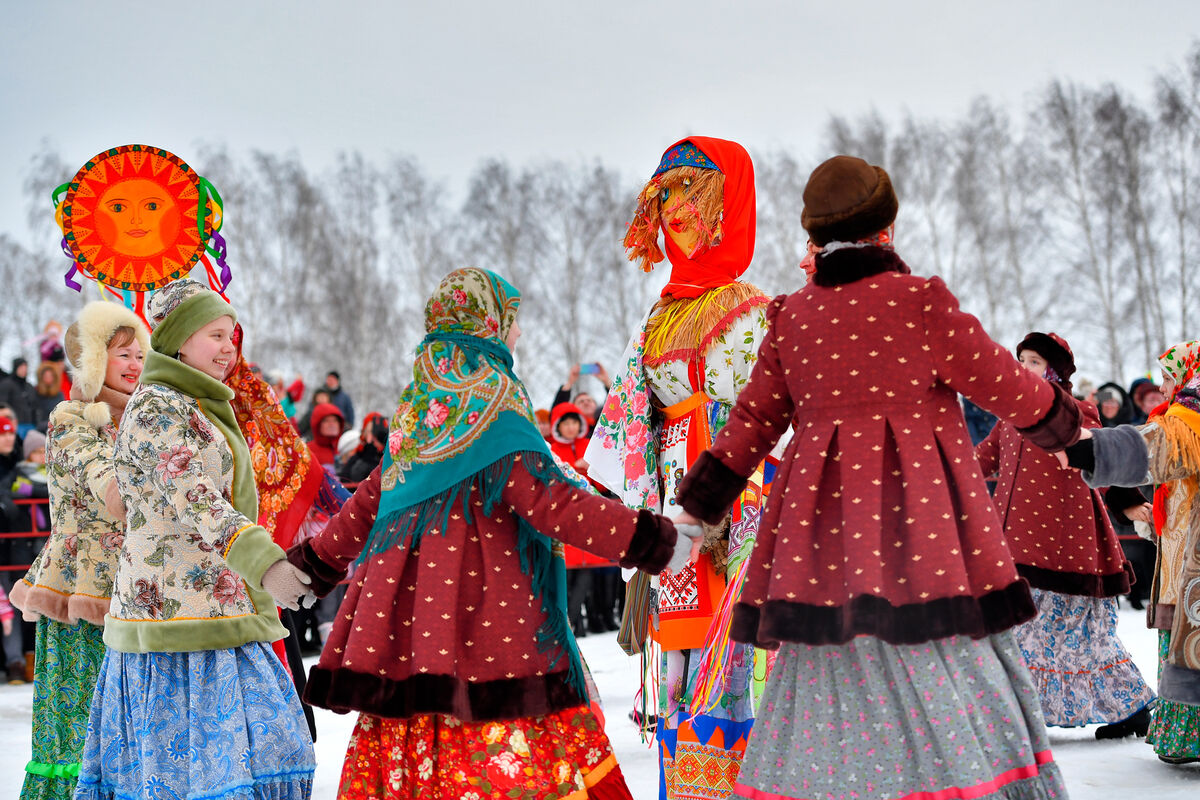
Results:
[1078, 213]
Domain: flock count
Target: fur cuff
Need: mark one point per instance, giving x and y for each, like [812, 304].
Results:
[1060, 426]
[652, 544]
[709, 489]
[324, 577]
[1120, 458]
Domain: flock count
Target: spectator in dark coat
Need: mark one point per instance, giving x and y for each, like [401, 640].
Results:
[18, 394]
[338, 396]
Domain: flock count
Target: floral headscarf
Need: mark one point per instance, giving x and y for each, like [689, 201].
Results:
[462, 386]
[1181, 363]
[458, 428]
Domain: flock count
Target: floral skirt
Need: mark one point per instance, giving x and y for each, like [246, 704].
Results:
[952, 718]
[1082, 671]
[561, 755]
[1175, 727]
[701, 755]
[204, 725]
[67, 661]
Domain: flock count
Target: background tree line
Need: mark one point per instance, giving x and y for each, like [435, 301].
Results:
[1077, 214]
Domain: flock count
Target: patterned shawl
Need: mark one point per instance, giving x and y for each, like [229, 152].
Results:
[459, 425]
[288, 477]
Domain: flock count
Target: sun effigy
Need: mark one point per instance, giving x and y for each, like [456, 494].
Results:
[136, 217]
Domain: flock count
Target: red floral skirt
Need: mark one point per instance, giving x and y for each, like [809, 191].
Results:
[564, 755]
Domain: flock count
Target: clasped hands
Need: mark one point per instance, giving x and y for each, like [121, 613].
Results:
[288, 585]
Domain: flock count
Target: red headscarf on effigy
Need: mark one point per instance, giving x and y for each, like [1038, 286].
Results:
[725, 262]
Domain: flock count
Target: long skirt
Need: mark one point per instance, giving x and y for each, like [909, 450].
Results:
[701, 755]
[1082, 671]
[560, 756]
[210, 724]
[67, 661]
[952, 718]
[1175, 727]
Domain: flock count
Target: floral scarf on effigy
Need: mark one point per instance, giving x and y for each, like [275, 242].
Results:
[459, 425]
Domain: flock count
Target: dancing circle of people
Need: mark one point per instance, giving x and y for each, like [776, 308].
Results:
[826, 598]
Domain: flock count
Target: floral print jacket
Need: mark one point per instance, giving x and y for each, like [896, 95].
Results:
[190, 571]
[72, 577]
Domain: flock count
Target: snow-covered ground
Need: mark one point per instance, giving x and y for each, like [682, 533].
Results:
[1093, 770]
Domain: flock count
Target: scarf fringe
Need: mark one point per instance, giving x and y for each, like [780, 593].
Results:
[685, 328]
[547, 571]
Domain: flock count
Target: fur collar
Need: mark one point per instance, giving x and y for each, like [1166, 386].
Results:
[853, 264]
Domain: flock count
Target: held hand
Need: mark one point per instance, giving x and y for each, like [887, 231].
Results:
[7, 626]
[685, 518]
[1085, 433]
[1140, 513]
[582, 465]
[1062, 460]
[286, 584]
[687, 545]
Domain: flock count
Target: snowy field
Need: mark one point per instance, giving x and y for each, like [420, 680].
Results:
[1093, 770]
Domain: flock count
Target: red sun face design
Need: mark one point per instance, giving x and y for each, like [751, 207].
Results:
[129, 218]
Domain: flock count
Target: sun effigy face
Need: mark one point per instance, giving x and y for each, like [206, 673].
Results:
[130, 218]
[137, 218]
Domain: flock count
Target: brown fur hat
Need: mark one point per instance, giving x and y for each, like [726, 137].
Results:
[847, 199]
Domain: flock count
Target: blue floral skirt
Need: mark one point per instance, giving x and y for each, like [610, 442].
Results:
[205, 725]
[1082, 671]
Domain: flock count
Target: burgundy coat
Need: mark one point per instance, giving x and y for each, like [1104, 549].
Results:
[1057, 528]
[451, 626]
[879, 522]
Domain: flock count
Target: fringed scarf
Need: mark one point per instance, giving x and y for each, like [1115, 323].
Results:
[684, 329]
[1179, 419]
[459, 427]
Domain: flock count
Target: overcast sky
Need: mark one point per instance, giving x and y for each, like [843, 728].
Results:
[452, 83]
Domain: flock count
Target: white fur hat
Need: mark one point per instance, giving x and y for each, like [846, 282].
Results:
[86, 344]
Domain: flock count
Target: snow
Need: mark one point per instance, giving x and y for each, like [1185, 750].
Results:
[1093, 770]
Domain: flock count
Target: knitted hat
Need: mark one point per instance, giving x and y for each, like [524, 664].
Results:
[847, 199]
[86, 343]
[348, 443]
[1055, 350]
[7, 425]
[181, 308]
[34, 440]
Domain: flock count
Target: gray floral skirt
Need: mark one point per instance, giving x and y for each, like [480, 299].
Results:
[955, 717]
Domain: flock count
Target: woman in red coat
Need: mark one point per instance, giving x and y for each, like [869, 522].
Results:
[1063, 544]
[453, 640]
[881, 573]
